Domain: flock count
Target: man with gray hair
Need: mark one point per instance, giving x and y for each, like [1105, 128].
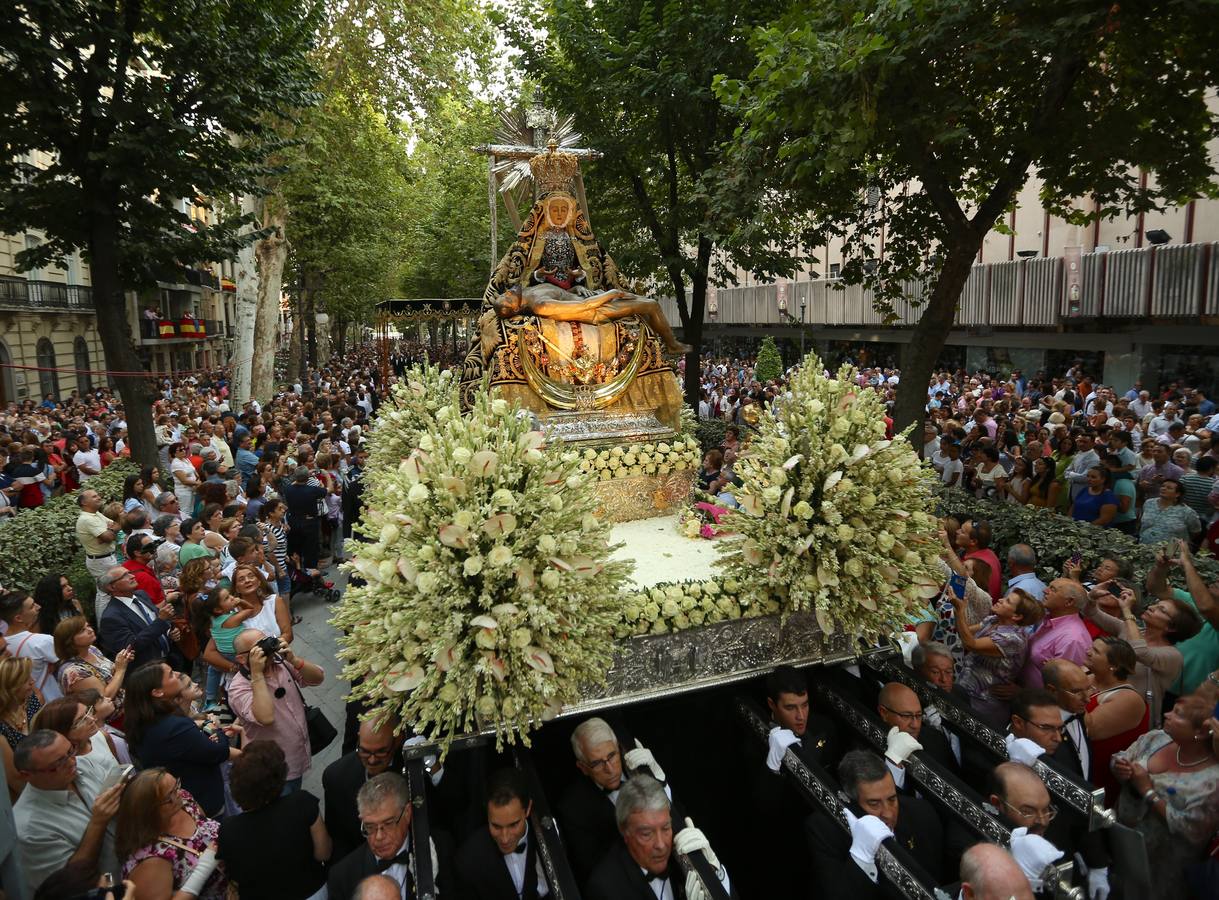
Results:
[586, 809]
[131, 621]
[1022, 571]
[844, 865]
[641, 865]
[167, 504]
[384, 805]
[1061, 634]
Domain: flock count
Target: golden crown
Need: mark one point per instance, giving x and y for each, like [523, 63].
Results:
[553, 170]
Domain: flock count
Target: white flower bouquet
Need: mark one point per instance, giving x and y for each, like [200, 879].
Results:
[680, 454]
[408, 412]
[675, 606]
[835, 519]
[489, 596]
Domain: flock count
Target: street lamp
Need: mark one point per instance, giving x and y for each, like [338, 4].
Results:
[803, 305]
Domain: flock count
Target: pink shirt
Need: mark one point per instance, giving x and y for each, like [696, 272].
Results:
[1063, 638]
[289, 729]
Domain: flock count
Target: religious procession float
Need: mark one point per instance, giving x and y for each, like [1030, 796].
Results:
[526, 559]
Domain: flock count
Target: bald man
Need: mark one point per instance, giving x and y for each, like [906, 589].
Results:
[900, 708]
[1061, 634]
[988, 872]
[378, 749]
[377, 887]
[1069, 685]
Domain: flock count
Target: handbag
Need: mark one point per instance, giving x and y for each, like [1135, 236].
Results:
[321, 732]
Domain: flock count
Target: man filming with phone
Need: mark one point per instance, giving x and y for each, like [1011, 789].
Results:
[265, 695]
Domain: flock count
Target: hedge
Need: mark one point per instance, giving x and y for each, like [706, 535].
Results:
[38, 541]
[1055, 537]
[710, 432]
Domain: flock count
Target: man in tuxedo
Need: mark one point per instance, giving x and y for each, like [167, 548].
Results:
[500, 861]
[1019, 799]
[384, 804]
[900, 708]
[642, 866]
[1067, 683]
[586, 810]
[377, 749]
[843, 868]
[131, 620]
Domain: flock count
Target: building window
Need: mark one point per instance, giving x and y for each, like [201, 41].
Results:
[31, 243]
[835, 270]
[84, 377]
[48, 378]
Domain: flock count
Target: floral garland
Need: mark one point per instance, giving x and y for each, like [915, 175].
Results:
[490, 598]
[835, 518]
[675, 606]
[680, 454]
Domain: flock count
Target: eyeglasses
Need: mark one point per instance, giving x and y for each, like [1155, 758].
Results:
[599, 764]
[85, 718]
[1034, 815]
[172, 797]
[1046, 729]
[372, 829]
[905, 716]
[60, 763]
[374, 754]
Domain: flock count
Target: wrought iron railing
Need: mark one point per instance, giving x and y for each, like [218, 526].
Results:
[22, 292]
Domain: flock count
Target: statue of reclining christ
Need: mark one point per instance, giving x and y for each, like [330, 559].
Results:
[549, 301]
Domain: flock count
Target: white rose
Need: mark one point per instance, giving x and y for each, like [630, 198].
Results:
[426, 443]
[547, 545]
[503, 497]
[427, 582]
[418, 493]
[499, 556]
[499, 407]
[464, 518]
[550, 579]
[533, 457]
[473, 566]
[461, 455]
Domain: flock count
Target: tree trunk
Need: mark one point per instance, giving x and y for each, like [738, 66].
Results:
[242, 361]
[115, 332]
[919, 356]
[295, 368]
[272, 254]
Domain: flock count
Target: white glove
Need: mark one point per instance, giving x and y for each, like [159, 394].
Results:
[1034, 854]
[780, 740]
[694, 887]
[690, 840]
[867, 834]
[1022, 750]
[642, 756]
[202, 871]
[428, 761]
[932, 717]
[1098, 884]
[900, 745]
[906, 642]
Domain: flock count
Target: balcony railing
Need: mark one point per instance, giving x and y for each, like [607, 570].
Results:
[213, 328]
[51, 295]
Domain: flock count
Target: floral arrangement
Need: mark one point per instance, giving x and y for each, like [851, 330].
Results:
[701, 517]
[409, 410]
[673, 607]
[489, 596]
[680, 454]
[835, 519]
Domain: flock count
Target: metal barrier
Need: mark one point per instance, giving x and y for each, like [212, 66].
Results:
[559, 876]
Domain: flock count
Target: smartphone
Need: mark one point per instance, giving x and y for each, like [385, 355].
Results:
[956, 584]
[1076, 558]
[123, 775]
[1114, 589]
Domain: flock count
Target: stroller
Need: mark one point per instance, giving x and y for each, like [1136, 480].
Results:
[305, 583]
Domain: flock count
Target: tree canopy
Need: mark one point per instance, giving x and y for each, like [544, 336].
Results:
[922, 118]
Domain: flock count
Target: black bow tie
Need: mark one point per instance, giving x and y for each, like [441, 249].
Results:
[520, 848]
[404, 857]
[658, 876]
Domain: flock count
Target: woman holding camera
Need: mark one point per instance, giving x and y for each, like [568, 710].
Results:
[162, 734]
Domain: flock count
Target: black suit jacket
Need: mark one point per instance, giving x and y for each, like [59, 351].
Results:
[345, 876]
[838, 877]
[587, 824]
[482, 873]
[120, 627]
[341, 781]
[618, 877]
[937, 747]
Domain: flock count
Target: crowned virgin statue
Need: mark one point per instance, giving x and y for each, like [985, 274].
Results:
[559, 330]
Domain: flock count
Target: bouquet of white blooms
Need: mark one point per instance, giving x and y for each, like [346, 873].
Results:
[680, 454]
[834, 518]
[665, 608]
[409, 410]
[489, 597]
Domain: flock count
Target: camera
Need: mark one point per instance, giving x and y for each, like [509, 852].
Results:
[270, 647]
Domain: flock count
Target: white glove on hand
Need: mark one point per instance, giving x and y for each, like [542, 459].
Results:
[429, 761]
[1098, 884]
[1022, 750]
[933, 717]
[867, 834]
[906, 642]
[690, 840]
[642, 756]
[780, 740]
[900, 745]
[1034, 854]
[694, 887]
[202, 871]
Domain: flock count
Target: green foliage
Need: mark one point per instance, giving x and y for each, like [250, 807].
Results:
[447, 247]
[710, 433]
[346, 192]
[173, 100]
[770, 363]
[43, 540]
[1055, 538]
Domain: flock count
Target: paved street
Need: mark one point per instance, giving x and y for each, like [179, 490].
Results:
[315, 640]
